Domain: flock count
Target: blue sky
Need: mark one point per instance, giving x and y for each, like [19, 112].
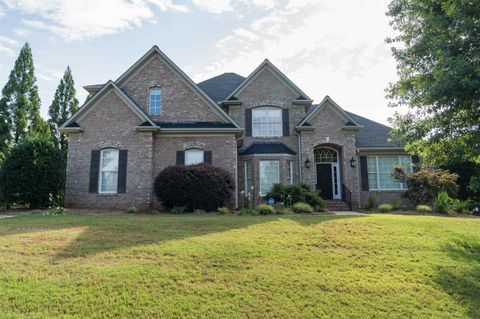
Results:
[333, 47]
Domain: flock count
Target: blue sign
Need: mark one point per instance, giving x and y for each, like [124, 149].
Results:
[271, 201]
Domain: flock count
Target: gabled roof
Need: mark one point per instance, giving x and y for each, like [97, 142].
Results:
[313, 111]
[373, 134]
[219, 87]
[185, 78]
[282, 77]
[267, 148]
[109, 86]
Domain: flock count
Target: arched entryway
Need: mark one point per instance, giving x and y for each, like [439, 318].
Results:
[327, 164]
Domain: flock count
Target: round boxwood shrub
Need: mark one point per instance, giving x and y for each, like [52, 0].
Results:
[302, 208]
[199, 186]
[264, 209]
[33, 174]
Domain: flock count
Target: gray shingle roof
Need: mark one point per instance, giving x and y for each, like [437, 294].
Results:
[267, 148]
[373, 134]
[219, 87]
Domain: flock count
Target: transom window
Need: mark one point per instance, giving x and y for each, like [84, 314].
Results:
[380, 169]
[108, 180]
[155, 101]
[267, 121]
[325, 155]
[269, 175]
[194, 156]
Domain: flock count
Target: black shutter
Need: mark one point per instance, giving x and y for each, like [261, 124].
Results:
[416, 163]
[94, 169]
[207, 157]
[248, 122]
[364, 173]
[180, 157]
[122, 171]
[286, 123]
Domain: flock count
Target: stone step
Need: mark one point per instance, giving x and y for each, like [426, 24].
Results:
[336, 205]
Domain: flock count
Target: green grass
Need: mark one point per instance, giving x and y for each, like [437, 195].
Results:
[376, 266]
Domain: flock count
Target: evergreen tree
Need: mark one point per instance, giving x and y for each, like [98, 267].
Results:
[64, 104]
[20, 103]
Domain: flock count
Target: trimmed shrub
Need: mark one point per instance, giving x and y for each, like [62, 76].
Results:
[395, 204]
[132, 210]
[442, 203]
[264, 209]
[302, 208]
[224, 210]
[424, 209]
[385, 207]
[294, 193]
[285, 211]
[372, 202]
[33, 174]
[423, 186]
[177, 209]
[199, 186]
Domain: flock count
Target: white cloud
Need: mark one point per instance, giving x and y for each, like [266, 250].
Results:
[22, 32]
[8, 45]
[333, 47]
[214, 6]
[47, 74]
[88, 19]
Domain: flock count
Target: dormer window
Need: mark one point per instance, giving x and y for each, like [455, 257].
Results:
[267, 121]
[155, 101]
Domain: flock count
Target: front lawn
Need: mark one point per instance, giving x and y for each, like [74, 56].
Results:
[376, 266]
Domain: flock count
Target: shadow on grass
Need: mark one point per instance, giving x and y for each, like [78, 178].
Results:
[463, 282]
[106, 233]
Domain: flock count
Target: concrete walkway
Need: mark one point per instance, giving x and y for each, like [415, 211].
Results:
[348, 213]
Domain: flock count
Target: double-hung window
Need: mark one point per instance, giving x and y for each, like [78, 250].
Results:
[267, 121]
[108, 181]
[248, 178]
[380, 169]
[155, 101]
[289, 172]
[194, 156]
[269, 175]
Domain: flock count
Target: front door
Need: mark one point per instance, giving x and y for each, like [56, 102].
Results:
[324, 180]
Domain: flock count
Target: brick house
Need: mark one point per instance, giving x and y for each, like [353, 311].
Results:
[263, 129]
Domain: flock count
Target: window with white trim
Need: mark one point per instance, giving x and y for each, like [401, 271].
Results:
[267, 121]
[248, 178]
[194, 156]
[108, 177]
[269, 175]
[155, 101]
[289, 172]
[380, 169]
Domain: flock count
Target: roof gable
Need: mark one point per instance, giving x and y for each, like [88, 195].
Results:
[267, 65]
[109, 86]
[327, 101]
[156, 52]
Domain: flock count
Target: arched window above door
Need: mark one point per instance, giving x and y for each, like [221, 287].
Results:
[325, 155]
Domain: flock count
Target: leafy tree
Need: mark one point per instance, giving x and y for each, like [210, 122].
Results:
[33, 173]
[20, 103]
[438, 63]
[63, 106]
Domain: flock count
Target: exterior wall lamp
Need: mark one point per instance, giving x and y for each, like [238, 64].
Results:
[307, 163]
[352, 161]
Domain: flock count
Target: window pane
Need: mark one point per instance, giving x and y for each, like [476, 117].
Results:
[372, 172]
[289, 172]
[325, 155]
[268, 175]
[385, 170]
[405, 162]
[267, 121]
[193, 156]
[248, 178]
[109, 171]
[155, 101]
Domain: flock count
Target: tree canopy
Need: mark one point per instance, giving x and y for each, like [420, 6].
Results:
[437, 49]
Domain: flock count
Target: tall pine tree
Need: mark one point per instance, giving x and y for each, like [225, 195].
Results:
[64, 104]
[20, 103]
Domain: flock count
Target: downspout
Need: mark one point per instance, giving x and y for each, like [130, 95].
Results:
[299, 137]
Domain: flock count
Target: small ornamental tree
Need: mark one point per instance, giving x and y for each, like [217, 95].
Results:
[33, 173]
[199, 186]
[424, 186]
